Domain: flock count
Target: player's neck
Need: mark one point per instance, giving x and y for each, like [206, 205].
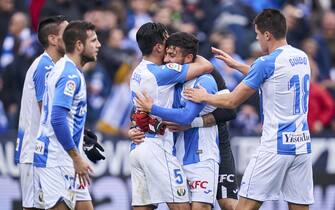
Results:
[76, 59]
[276, 44]
[152, 58]
[54, 54]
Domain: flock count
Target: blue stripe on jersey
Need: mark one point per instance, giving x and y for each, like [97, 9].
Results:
[125, 117]
[308, 144]
[19, 142]
[44, 65]
[165, 75]
[285, 149]
[79, 122]
[261, 105]
[132, 146]
[39, 159]
[67, 86]
[261, 69]
[191, 142]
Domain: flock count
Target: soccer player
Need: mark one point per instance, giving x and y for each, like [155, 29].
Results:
[156, 175]
[50, 31]
[282, 164]
[58, 163]
[182, 48]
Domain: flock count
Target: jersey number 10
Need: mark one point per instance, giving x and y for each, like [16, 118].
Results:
[296, 84]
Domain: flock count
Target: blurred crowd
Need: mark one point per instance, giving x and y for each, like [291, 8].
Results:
[225, 24]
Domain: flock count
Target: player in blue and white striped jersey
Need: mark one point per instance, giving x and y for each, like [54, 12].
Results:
[57, 159]
[50, 31]
[196, 148]
[282, 164]
[156, 174]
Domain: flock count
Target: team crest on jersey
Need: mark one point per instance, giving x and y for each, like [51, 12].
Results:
[174, 66]
[181, 191]
[70, 88]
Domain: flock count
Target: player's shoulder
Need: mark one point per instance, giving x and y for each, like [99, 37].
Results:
[168, 66]
[206, 77]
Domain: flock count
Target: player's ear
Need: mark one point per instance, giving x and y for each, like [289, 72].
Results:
[188, 58]
[160, 48]
[267, 35]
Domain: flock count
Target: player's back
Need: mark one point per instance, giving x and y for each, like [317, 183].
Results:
[32, 93]
[198, 144]
[158, 82]
[66, 88]
[284, 101]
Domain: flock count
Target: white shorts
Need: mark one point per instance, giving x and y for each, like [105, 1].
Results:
[156, 176]
[269, 174]
[57, 184]
[27, 184]
[202, 178]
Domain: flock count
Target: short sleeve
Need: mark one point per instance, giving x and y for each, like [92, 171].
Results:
[207, 81]
[39, 77]
[259, 72]
[65, 90]
[170, 73]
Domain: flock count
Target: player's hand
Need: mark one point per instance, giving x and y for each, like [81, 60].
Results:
[197, 95]
[92, 148]
[143, 102]
[82, 171]
[136, 135]
[174, 127]
[220, 54]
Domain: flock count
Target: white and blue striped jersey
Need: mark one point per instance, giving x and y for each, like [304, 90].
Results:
[32, 93]
[65, 87]
[197, 144]
[282, 78]
[158, 82]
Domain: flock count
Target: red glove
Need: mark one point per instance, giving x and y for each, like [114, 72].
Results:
[142, 120]
[148, 124]
[156, 126]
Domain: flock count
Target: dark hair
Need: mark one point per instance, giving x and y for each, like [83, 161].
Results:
[187, 42]
[48, 26]
[150, 34]
[273, 21]
[76, 30]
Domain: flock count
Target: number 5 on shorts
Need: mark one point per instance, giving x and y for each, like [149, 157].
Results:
[178, 176]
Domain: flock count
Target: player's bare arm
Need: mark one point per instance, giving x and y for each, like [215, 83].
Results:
[231, 62]
[199, 67]
[227, 100]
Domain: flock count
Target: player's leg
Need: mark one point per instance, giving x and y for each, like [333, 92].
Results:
[179, 206]
[201, 206]
[165, 176]
[292, 206]
[140, 193]
[297, 189]
[148, 207]
[84, 205]
[60, 206]
[263, 179]
[248, 204]
[227, 184]
[202, 178]
[27, 186]
[227, 203]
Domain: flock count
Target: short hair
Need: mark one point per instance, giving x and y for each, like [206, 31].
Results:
[273, 21]
[76, 30]
[187, 42]
[150, 34]
[48, 26]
